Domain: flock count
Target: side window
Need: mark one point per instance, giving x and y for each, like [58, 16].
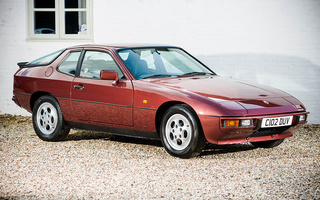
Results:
[69, 64]
[46, 59]
[96, 61]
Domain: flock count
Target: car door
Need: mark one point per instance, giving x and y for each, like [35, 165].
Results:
[97, 100]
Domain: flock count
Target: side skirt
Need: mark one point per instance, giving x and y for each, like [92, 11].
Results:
[115, 131]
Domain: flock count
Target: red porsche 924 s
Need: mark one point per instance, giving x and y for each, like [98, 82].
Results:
[156, 92]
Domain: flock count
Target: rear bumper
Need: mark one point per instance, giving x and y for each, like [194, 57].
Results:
[215, 133]
[22, 100]
[15, 100]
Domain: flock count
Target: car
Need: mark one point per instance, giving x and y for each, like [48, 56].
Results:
[151, 91]
[44, 31]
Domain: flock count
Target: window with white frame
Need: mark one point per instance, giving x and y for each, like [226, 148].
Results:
[60, 19]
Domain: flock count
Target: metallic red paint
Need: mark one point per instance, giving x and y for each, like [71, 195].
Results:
[134, 104]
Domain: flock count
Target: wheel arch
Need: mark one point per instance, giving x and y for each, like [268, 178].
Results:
[165, 106]
[36, 96]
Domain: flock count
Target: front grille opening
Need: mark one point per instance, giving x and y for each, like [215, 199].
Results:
[269, 131]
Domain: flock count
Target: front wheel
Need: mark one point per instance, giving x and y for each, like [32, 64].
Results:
[267, 144]
[48, 121]
[180, 132]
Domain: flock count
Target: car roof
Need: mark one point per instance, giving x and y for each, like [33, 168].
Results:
[120, 46]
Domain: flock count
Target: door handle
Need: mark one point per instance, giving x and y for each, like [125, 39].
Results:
[78, 87]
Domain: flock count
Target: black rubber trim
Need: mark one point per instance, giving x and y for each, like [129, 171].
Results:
[269, 131]
[208, 116]
[109, 104]
[145, 108]
[80, 60]
[23, 93]
[115, 131]
[258, 125]
[106, 104]
[297, 120]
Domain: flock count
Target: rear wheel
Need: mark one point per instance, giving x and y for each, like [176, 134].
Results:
[267, 144]
[180, 132]
[48, 121]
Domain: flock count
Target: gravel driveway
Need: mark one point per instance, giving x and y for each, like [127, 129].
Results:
[91, 165]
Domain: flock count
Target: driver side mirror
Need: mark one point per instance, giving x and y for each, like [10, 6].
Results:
[110, 75]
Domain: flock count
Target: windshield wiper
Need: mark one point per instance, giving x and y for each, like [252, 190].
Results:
[157, 76]
[196, 74]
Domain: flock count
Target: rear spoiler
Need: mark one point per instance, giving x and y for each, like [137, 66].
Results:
[22, 64]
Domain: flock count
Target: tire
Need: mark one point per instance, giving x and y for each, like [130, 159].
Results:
[267, 144]
[181, 133]
[48, 121]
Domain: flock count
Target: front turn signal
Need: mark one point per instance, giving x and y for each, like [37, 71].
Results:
[231, 123]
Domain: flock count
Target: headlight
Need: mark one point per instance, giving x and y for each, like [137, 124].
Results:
[303, 118]
[237, 122]
[246, 122]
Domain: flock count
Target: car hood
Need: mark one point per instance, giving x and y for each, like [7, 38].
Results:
[239, 97]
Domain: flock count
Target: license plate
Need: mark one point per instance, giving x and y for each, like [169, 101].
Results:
[276, 122]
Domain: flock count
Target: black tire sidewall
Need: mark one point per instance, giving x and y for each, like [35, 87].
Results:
[195, 137]
[55, 136]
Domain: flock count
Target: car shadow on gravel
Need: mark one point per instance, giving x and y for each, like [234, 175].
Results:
[213, 149]
[133, 140]
[89, 135]
[86, 135]
[210, 149]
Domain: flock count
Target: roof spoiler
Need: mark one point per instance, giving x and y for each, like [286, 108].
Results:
[22, 64]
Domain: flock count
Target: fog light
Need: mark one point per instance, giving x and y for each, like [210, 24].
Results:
[303, 118]
[231, 123]
[246, 122]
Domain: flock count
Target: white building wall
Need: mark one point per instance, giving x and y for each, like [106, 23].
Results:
[15, 47]
[274, 42]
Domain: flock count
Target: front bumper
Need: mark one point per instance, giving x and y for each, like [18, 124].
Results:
[216, 133]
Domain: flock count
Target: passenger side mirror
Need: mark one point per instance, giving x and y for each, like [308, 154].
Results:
[110, 75]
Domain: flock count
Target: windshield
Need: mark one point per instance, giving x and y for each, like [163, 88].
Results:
[161, 62]
[46, 59]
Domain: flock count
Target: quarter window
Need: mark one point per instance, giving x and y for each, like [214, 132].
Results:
[60, 19]
[96, 61]
[69, 64]
[46, 59]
